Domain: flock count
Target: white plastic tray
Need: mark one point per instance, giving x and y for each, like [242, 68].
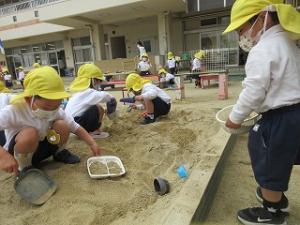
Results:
[105, 160]
[223, 114]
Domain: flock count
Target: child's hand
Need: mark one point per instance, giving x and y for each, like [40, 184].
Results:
[96, 150]
[8, 163]
[232, 125]
[138, 98]
[144, 114]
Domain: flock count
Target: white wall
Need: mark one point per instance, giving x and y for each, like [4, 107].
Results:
[140, 29]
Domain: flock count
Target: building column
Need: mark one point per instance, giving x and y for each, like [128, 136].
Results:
[97, 37]
[163, 33]
[69, 52]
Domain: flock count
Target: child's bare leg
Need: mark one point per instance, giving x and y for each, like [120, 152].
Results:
[271, 196]
[149, 106]
[61, 128]
[26, 144]
[101, 113]
[27, 140]
[63, 155]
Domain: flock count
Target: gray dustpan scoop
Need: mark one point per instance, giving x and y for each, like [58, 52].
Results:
[34, 186]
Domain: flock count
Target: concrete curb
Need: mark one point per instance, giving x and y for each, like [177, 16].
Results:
[195, 198]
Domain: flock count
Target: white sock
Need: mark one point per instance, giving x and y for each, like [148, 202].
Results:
[151, 115]
[24, 160]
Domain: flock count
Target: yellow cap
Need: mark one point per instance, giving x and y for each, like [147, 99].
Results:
[162, 70]
[85, 73]
[145, 55]
[36, 65]
[170, 55]
[21, 68]
[135, 82]
[44, 82]
[200, 54]
[243, 10]
[4, 89]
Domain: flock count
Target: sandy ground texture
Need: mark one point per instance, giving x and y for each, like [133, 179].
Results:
[184, 137]
[237, 189]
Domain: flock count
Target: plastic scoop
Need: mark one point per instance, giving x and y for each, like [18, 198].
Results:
[128, 100]
[34, 186]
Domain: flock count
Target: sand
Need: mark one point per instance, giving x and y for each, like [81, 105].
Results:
[237, 189]
[182, 138]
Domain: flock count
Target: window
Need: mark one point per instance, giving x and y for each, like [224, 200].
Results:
[83, 41]
[147, 45]
[209, 22]
[15, 18]
[209, 4]
[36, 13]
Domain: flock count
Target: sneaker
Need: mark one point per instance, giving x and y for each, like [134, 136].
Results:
[259, 215]
[147, 120]
[66, 156]
[100, 135]
[284, 202]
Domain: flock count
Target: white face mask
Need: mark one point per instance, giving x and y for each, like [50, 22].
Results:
[247, 42]
[44, 114]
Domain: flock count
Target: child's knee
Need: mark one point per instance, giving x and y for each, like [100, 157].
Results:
[61, 127]
[28, 136]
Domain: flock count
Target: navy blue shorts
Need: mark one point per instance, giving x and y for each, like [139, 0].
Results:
[89, 120]
[160, 107]
[274, 143]
[44, 151]
[2, 138]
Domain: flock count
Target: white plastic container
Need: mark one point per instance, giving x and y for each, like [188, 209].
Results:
[223, 115]
[106, 163]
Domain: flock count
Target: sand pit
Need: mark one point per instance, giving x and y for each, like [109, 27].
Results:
[184, 137]
[237, 189]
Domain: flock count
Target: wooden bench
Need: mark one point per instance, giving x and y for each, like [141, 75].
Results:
[208, 78]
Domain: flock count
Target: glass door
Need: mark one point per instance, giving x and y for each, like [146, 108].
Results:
[53, 60]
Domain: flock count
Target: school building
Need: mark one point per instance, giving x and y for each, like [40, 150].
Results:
[68, 33]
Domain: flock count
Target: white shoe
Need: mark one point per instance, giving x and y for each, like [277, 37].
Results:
[100, 135]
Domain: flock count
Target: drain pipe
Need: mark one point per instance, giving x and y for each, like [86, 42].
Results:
[90, 27]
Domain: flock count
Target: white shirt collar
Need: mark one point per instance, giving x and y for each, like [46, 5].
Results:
[271, 31]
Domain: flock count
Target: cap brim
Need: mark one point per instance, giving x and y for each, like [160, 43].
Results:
[235, 25]
[51, 96]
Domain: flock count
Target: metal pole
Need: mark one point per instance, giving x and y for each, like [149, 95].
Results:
[92, 41]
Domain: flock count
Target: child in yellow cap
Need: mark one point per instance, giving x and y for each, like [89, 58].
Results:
[5, 96]
[167, 79]
[36, 127]
[198, 65]
[84, 105]
[156, 102]
[144, 65]
[171, 63]
[272, 88]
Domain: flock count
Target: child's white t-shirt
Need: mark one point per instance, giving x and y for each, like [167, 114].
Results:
[142, 51]
[81, 101]
[7, 77]
[21, 75]
[169, 77]
[14, 118]
[150, 92]
[171, 63]
[144, 66]
[196, 64]
[4, 99]
[273, 75]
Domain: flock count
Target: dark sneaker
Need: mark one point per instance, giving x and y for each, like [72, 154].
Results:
[258, 215]
[147, 120]
[283, 205]
[66, 157]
